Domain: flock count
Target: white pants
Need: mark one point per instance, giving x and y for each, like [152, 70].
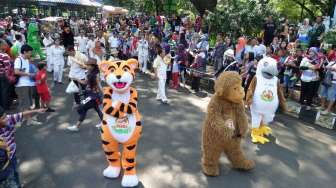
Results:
[58, 71]
[161, 93]
[257, 118]
[50, 65]
[143, 62]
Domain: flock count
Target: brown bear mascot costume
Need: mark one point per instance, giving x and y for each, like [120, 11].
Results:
[225, 125]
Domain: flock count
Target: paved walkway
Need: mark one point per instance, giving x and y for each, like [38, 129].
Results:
[299, 155]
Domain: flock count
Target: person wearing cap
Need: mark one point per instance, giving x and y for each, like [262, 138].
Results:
[229, 63]
[57, 52]
[309, 77]
[92, 94]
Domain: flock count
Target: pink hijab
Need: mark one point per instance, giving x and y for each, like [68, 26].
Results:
[241, 44]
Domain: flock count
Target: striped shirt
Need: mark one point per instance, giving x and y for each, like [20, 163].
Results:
[5, 64]
[7, 132]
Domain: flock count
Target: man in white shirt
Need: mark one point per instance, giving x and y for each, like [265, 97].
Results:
[22, 24]
[114, 42]
[90, 45]
[260, 48]
[82, 43]
[24, 84]
[76, 61]
[48, 42]
[160, 68]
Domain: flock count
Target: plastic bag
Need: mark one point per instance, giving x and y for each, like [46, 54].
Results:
[72, 88]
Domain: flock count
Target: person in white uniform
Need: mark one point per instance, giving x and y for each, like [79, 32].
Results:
[82, 43]
[57, 53]
[143, 53]
[114, 42]
[90, 45]
[48, 42]
[160, 68]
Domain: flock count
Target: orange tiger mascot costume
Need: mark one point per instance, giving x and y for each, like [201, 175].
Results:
[121, 122]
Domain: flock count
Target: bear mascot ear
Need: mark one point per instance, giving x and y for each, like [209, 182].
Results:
[103, 66]
[133, 63]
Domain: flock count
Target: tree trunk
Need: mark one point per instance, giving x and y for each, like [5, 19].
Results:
[202, 5]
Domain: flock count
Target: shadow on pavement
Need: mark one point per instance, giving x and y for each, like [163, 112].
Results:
[169, 150]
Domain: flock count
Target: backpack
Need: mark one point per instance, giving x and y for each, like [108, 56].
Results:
[16, 77]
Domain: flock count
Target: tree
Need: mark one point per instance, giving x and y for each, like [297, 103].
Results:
[240, 17]
[304, 8]
[203, 5]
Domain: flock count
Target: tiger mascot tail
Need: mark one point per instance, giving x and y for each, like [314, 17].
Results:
[121, 121]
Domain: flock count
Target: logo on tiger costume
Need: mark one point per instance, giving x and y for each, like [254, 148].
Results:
[121, 126]
[267, 95]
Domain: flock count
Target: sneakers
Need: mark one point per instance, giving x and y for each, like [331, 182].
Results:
[33, 122]
[50, 110]
[165, 101]
[73, 128]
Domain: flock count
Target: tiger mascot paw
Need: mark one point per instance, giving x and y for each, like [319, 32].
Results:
[130, 181]
[111, 172]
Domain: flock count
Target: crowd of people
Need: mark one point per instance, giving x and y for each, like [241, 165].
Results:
[170, 49]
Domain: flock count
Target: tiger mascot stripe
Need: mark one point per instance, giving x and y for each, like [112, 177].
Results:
[121, 121]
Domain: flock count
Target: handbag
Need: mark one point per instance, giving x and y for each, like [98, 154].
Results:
[10, 74]
[72, 88]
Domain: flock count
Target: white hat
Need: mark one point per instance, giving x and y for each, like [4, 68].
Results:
[229, 53]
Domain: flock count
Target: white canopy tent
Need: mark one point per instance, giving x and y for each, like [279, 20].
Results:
[111, 10]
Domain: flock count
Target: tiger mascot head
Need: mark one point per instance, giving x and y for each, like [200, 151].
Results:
[119, 74]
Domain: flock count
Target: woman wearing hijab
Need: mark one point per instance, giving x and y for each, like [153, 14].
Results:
[309, 77]
[240, 49]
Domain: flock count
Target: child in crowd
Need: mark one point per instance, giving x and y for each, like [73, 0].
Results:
[9, 176]
[160, 68]
[33, 71]
[175, 75]
[42, 87]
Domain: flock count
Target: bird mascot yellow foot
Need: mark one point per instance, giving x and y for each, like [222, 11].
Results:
[265, 130]
[258, 136]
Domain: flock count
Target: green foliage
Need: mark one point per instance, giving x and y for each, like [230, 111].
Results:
[296, 10]
[240, 17]
[330, 36]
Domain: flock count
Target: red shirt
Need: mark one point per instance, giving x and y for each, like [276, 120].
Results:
[332, 55]
[41, 81]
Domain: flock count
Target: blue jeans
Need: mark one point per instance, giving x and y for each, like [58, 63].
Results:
[12, 180]
[289, 82]
[328, 92]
